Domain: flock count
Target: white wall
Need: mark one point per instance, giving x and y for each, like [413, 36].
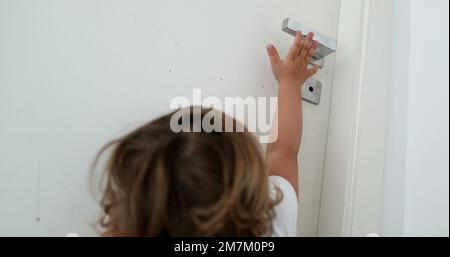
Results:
[417, 164]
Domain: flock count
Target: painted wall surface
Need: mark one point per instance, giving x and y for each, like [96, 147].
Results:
[76, 74]
[417, 162]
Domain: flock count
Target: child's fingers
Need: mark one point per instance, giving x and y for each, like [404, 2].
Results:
[306, 45]
[312, 71]
[311, 51]
[274, 56]
[296, 45]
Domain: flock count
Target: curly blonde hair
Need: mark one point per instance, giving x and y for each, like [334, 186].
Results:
[162, 183]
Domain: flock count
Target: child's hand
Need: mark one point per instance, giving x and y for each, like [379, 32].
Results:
[293, 70]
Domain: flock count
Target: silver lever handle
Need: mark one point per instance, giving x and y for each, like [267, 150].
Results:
[326, 46]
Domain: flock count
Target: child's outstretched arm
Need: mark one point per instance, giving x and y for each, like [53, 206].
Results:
[291, 73]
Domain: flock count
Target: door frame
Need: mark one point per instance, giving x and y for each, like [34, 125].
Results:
[352, 187]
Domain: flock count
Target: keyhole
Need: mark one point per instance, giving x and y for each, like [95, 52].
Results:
[311, 89]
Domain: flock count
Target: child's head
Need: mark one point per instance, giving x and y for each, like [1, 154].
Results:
[186, 184]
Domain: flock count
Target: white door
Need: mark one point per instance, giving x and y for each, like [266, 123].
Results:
[76, 74]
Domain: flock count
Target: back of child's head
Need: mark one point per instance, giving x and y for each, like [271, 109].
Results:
[160, 182]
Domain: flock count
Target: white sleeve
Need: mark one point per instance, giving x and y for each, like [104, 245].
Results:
[285, 221]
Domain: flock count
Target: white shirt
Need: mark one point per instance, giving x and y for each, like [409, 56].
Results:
[285, 221]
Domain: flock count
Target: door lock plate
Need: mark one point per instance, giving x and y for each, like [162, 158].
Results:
[312, 90]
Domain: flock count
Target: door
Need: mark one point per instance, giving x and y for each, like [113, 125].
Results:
[76, 74]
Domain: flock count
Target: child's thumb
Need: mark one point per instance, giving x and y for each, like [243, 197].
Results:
[273, 55]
